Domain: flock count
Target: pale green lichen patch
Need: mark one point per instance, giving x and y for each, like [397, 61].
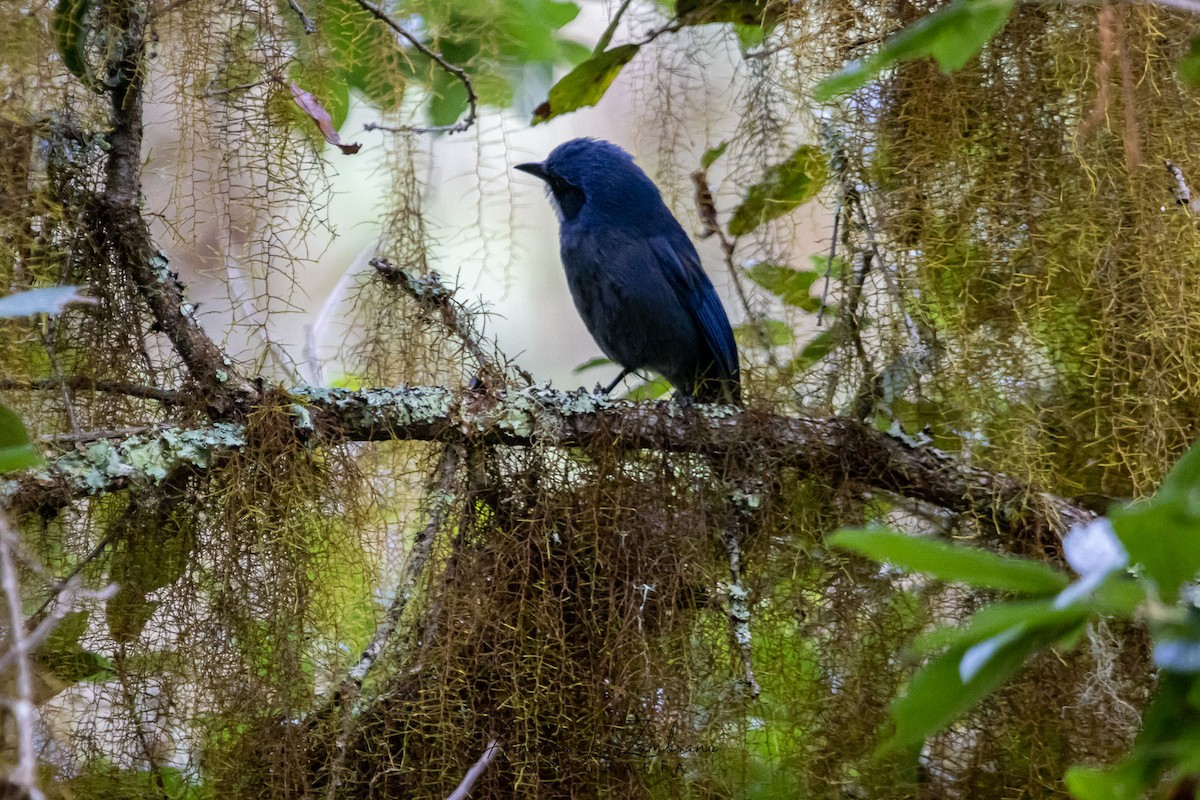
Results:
[151, 457]
[401, 405]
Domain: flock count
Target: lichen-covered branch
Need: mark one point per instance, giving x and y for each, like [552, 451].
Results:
[841, 451]
[128, 236]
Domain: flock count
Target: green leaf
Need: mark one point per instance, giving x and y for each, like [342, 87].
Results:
[996, 618]
[526, 28]
[1122, 783]
[1163, 533]
[751, 334]
[363, 51]
[937, 695]
[48, 300]
[586, 84]
[749, 36]
[650, 390]
[817, 348]
[592, 363]
[955, 563]
[69, 25]
[952, 35]
[1169, 741]
[16, 451]
[449, 99]
[1188, 66]
[784, 187]
[66, 658]
[712, 154]
[789, 285]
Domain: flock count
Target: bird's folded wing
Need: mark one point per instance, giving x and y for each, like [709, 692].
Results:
[681, 264]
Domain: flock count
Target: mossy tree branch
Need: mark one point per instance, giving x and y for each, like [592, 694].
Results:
[843, 452]
[128, 238]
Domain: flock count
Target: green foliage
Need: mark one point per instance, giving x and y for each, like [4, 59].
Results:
[1002, 637]
[712, 154]
[1163, 533]
[69, 23]
[784, 187]
[948, 562]
[1188, 66]
[652, 389]
[792, 286]
[16, 450]
[813, 351]
[497, 42]
[952, 35]
[161, 783]
[586, 84]
[68, 660]
[774, 332]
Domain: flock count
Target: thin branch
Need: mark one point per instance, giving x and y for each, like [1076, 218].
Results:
[81, 384]
[458, 72]
[441, 501]
[429, 291]
[73, 593]
[81, 437]
[490, 752]
[606, 37]
[68, 582]
[310, 27]
[23, 775]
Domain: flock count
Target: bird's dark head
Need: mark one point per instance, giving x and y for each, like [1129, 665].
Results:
[592, 173]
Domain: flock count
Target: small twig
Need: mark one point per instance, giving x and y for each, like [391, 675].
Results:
[310, 27]
[97, 435]
[606, 37]
[770, 51]
[674, 26]
[458, 72]
[468, 782]
[78, 384]
[239, 88]
[238, 285]
[837, 218]
[49, 338]
[429, 291]
[708, 215]
[22, 776]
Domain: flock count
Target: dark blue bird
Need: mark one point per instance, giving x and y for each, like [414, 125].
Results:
[634, 274]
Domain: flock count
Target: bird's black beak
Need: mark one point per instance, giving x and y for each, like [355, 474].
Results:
[536, 168]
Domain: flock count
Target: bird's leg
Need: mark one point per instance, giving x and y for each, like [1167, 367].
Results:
[616, 380]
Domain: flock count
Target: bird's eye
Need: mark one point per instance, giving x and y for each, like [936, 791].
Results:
[567, 197]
